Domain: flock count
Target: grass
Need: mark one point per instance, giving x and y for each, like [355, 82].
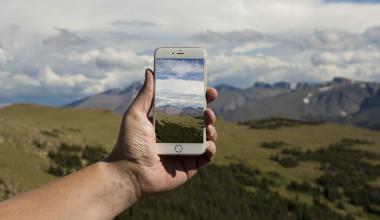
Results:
[178, 128]
[184, 120]
[24, 146]
[24, 169]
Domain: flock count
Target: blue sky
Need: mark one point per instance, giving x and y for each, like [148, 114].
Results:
[88, 46]
[180, 82]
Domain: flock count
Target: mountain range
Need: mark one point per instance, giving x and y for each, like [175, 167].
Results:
[340, 100]
[171, 110]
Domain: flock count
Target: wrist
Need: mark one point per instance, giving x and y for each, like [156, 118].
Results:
[120, 188]
[126, 173]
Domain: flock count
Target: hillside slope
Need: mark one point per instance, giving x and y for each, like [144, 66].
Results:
[29, 132]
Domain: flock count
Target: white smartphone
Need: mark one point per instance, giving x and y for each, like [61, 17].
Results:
[179, 100]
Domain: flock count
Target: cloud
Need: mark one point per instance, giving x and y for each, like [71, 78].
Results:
[49, 78]
[104, 45]
[111, 58]
[4, 58]
[251, 46]
[264, 16]
[244, 70]
[65, 38]
[346, 57]
[84, 57]
[186, 69]
[231, 36]
[373, 35]
[180, 93]
[138, 23]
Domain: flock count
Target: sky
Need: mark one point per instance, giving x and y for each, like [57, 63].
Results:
[180, 83]
[54, 52]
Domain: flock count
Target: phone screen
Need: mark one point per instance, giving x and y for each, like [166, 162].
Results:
[180, 100]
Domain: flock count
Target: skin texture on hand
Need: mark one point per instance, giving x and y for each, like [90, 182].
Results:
[136, 146]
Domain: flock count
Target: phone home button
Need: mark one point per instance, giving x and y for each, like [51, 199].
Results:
[178, 148]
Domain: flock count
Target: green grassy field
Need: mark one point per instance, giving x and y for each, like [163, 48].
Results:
[29, 132]
[178, 128]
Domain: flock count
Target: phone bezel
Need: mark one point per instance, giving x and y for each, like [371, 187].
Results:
[181, 53]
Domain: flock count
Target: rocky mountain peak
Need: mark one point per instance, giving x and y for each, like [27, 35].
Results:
[281, 85]
[341, 80]
[262, 85]
[224, 87]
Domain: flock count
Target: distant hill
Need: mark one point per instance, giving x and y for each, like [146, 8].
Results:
[116, 100]
[171, 110]
[319, 101]
[369, 113]
[339, 100]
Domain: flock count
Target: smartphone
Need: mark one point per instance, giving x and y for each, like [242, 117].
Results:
[179, 100]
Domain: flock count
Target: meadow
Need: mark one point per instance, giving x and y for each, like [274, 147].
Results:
[178, 128]
[292, 170]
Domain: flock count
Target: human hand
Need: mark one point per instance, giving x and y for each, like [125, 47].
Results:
[135, 152]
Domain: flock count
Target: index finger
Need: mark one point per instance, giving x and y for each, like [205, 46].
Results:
[211, 94]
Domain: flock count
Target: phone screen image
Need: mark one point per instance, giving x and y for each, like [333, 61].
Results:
[180, 100]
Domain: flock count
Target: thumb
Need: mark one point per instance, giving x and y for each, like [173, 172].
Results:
[143, 100]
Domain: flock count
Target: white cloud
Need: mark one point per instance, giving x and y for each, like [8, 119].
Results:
[139, 23]
[347, 57]
[4, 58]
[84, 57]
[100, 45]
[179, 92]
[180, 68]
[245, 70]
[251, 46]
[265, 16]
[49, 78]
[111, 58]
[15, 82]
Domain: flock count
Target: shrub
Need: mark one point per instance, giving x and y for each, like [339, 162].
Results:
[39, 144]
[276, 123]
[69, 158]
[216, 193]
[302, 187]
[273, 144]
[53, 133]
[93, 154]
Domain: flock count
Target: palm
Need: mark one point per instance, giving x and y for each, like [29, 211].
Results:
[157, 173]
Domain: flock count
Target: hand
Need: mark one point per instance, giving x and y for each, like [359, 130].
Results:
[135, 150]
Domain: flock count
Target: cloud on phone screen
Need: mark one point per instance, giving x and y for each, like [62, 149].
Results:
[179, 82]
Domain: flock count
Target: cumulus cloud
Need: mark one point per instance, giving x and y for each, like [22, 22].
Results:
[180, 82]
[111, 58]
[230, 36]
[65, 38]
[180, 93]
[138, 23]
[180, 69]
[49, 78]
[244, 70]
[373, 35]
[96, 49]
[4, 58]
